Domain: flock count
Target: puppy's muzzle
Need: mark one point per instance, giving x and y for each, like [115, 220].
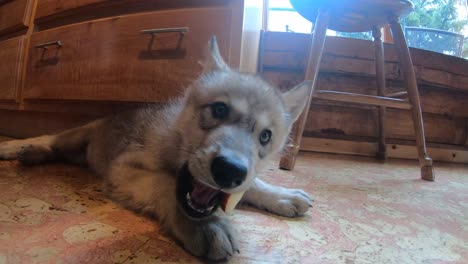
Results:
[228, 171]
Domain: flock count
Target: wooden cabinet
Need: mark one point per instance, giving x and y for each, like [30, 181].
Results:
[80, 59]
[110, 59]
[10, 67]
[14, 15]
[347, 66]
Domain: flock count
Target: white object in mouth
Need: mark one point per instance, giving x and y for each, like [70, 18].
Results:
[231, 202]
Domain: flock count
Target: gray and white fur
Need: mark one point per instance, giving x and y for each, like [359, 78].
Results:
[236, 119]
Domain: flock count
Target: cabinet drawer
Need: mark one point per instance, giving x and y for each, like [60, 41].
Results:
[14, 15]
[110, 59]
[11, 52]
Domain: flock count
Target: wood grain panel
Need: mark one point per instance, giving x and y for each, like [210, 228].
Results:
[23, 124]
[331, 63]
[438, 152]
[75, 10]
[111, 60]
[332, 120]
[284, 80]
[360, 49]
[15, 15]
[10, 67]
[348, 122]
[438, 128]
[434, 100]
[49, 7]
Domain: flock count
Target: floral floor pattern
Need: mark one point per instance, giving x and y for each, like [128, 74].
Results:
[364, 212]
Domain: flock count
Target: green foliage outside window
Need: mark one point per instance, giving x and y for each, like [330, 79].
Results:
[435, 14]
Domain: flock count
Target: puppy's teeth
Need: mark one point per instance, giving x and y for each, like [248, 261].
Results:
[189, 201]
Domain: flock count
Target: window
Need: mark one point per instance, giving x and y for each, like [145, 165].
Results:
[282, 17]
[436, 25]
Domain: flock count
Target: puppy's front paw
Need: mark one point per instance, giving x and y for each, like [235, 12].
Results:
[291, 203]
[220, 241]
[8, 150]
[212, 239]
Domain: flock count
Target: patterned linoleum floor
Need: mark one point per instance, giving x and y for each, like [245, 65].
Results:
[364, 212]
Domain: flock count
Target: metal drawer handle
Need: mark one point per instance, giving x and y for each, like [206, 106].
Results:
[181, 30]
[57, 43]
[154, 32]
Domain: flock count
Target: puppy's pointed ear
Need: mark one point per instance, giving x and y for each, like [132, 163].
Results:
[296, 99]
[214, 61]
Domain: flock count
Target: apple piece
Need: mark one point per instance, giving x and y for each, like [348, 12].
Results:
[230, 200]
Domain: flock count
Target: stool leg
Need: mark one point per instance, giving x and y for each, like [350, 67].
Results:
[288, 159]
[380, 74]
[409, 76]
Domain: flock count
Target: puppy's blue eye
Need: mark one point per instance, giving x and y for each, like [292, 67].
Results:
[219, 110]
[265, 137]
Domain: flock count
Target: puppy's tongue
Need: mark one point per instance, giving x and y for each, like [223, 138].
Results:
[202, 193]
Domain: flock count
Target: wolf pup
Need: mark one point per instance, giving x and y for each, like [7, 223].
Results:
[179, 162]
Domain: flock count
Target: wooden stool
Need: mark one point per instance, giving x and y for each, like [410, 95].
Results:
[362, 16]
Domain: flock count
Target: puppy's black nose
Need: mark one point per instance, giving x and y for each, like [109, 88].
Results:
[228, 172]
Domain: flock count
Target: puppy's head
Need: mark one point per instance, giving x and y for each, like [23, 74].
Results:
[234, 122]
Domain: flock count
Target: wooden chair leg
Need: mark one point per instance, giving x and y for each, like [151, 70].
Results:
[288, 158]
[380, 74]
[409, 76]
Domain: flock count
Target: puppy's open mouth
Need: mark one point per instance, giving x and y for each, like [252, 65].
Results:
[197, 199]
